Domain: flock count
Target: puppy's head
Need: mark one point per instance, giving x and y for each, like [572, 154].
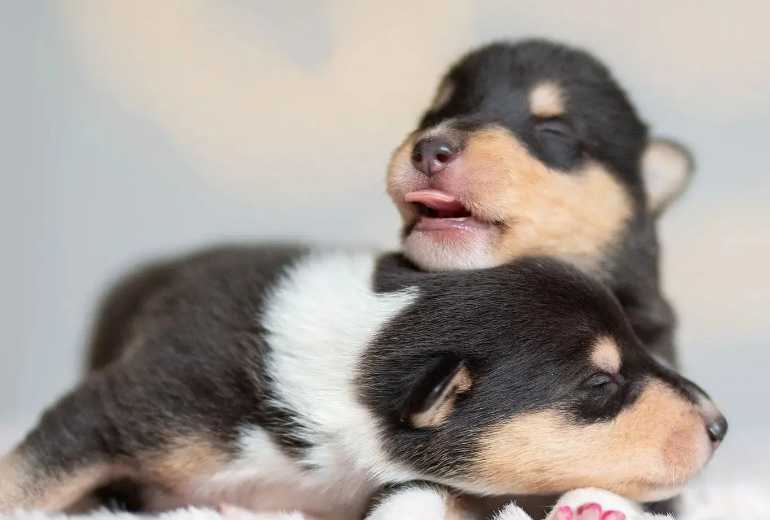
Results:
[526, 378]
[528, 149]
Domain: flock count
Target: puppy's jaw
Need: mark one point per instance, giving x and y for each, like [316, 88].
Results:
[636, 455]
[529, 209]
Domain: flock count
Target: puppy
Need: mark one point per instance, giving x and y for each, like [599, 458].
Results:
[532, 148]
[278, 378]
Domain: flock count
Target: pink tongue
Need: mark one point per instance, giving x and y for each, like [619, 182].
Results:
[435, 199]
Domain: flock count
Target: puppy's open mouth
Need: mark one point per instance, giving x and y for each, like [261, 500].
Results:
[440, 211]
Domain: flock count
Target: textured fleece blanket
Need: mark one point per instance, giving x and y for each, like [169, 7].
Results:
[737, 501]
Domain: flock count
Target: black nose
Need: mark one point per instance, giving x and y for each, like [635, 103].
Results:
[717, 429]
[432, 154]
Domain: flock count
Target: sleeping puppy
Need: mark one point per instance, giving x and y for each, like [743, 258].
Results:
[533, 149]
[278, 378]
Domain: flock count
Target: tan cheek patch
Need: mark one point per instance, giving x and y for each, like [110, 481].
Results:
[573, 215]
[606, 355]
[647, 447]
[546, 99]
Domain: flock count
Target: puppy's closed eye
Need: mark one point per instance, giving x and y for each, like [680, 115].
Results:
[554, 127]
[600, 391]
[558, 140]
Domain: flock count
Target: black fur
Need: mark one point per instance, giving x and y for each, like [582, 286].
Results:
[178, 350]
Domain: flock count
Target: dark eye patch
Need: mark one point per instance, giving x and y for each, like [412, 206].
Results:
[558, 143]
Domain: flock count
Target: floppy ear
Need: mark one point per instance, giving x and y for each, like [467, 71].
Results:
[667, 167]
[443, 94]
[432, 398]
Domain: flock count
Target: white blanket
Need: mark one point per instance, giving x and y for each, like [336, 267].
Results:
[738, 501]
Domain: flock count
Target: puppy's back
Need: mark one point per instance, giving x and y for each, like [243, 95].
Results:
[143, 290]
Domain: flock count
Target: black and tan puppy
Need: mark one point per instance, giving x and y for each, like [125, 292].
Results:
[533, 149]
[286, 378]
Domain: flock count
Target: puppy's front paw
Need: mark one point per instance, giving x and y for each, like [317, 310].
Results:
[590, 511]
[595, 504]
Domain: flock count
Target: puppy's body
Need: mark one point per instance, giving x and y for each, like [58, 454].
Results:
[290, 379]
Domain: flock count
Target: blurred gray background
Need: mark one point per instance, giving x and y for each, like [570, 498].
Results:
[132, 129]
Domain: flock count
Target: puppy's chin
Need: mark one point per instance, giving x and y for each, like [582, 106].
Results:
[432, 251]
[658, 494]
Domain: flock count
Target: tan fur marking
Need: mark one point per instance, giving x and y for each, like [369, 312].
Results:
[20, 488]
[606, 355]
[572, 215]
[188, 458]
[439, 412]
[633, 455]
[11, 482]
[546, 99]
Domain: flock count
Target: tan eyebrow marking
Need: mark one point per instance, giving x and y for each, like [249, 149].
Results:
[606, 355]
[546, 99]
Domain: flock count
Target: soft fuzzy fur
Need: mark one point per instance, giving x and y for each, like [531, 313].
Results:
[278, 377]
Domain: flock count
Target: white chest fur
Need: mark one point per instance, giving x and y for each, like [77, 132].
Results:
[319, 318]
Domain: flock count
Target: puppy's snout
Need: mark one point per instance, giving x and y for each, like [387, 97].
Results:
[716, 428]
[432, 154]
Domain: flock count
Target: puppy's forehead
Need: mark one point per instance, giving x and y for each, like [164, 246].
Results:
[541, 74]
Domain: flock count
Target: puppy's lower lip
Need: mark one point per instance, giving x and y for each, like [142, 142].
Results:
[450, 224]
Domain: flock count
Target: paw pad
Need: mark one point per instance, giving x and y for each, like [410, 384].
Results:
[590, 511]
